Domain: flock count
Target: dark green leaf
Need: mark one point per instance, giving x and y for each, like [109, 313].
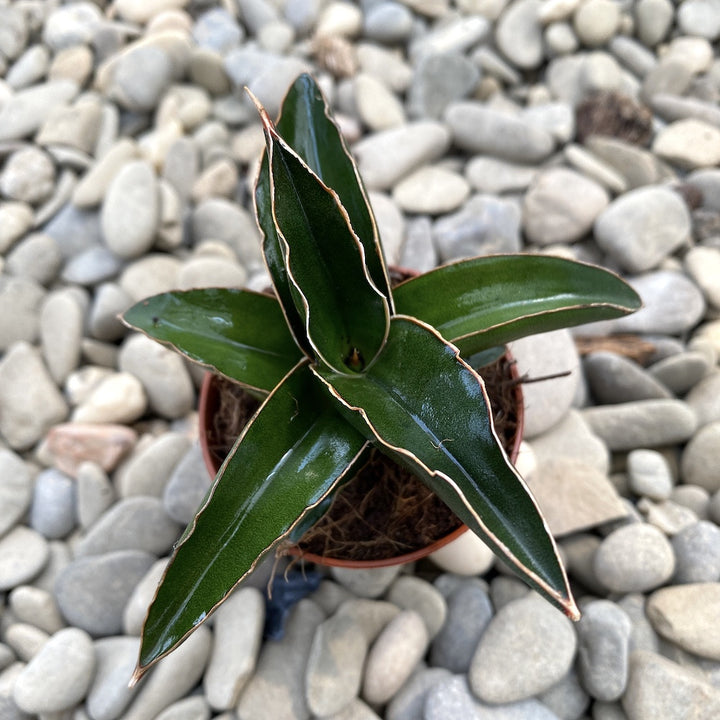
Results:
[488, 301]
[288, 460]
[429, 411]
[306, 126]
[345, 315]
[239, 333]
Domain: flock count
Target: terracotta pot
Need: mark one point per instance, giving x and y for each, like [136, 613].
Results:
[209, 402]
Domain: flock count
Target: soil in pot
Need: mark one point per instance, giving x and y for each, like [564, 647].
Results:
[384, 514]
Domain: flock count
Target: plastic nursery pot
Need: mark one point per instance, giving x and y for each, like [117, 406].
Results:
[210, 402]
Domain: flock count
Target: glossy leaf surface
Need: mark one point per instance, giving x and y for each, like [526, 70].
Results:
[428, 410]
[345, 315]
[306, 126]
[288, 460]
[239, 333]
[490, 301]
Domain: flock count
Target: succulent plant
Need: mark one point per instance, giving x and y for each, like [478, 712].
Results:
[343, 362]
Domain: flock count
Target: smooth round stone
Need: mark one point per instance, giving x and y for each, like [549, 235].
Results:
[16, 32]
[16, 489]
[58, 677]
[28, 176]
[633, 55]
[635, 165]
[92, 592]
[218, 179]
[16, 218]
[566, 698]
[109, 693]
[506, 589]
[687, 615]
[238, 626]
[53, 507]
[546, 403]
[495, 177]
[466, 555]
[372, 615]
[613, 379]
[484, 225]
[409, 702]
[109, 301]
[37, 257]
[469, 610]
[61, 330]
[697, 554]
[218, 30]
[680, 373]
[20, 302]
[393, 656]
[703, 266]
[695, 52]
[193, 707]
[673, 304]
[131, 210]
[700, 458]
[93, 185]
[689, 144]
[335, 665]
[388, 22]
[30, 400]
[26, 110]
[654, 19]
[370, 583]
[25, 640]
[23, 554]
[150, 275]
[525, 649]
[202, 272]
[172, 679]
[634, 558]
[163, 375]
[558, 118]
[384, 158]
[561, 206]
[412, 593]
[119, 398]
[700, 17]
[450, 697]
[377, 106]
[95, 493]
[187, 486]
[482, 130]
[649, 474]
[560, 39]
[704, 399]
[431, 190]
[668, 516]
[658, 687]
[133, 615]
[694, 498]
[518, 34]
[36, 607]
[596, 21]
[603, 649]
[643, 227]
[148, 470]
[137, 523]
[140, 77]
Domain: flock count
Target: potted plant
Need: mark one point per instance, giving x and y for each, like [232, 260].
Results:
[341, 362]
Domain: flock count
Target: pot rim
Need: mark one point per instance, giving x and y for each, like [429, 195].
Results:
[208, 399]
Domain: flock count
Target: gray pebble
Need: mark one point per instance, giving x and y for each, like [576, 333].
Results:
[193, 707]
[413, 593]
[654, 20]
[131, 210]
[704, 398]
[140, 77]
[642, 636]
[95, 493]
[700, 17]
[30, 400]
[482, 130]
[468, 612]
[677, 143]
[518, 34]
[62, 319]
[163, 375]
[483, 226]
[567, 698]
[137, 523]
[91, 266]
[613, 379]
[371, 615]
[37, 257]
[634, 558]
[697, 554]
[133, 616]
[20, 301]
[187, 486]
[16, 489]
[649, 474]
[108, 302]
[680, 373]
[386, 157]
[603, 649]
[25, 640]
[58, 677]
[335, 665]
[53, 507]
[658, 687]
[173, 678]
[693, 497]
[277, 689]
[699, 464]
[37, 607]
[218, 30]
[91, 592]
[450, 697]
[438, 81]
[637, 166]
[561, 206]
[408, 702]
[238, 625]
[525, 649]
[388, 22]
[496, 177]
[150, 275]
[16, 218]
[28, 175]
[366, 583]
[456, 35]
[109, 693]
[642, 424]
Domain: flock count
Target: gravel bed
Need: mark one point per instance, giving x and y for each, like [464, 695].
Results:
[584, 128]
